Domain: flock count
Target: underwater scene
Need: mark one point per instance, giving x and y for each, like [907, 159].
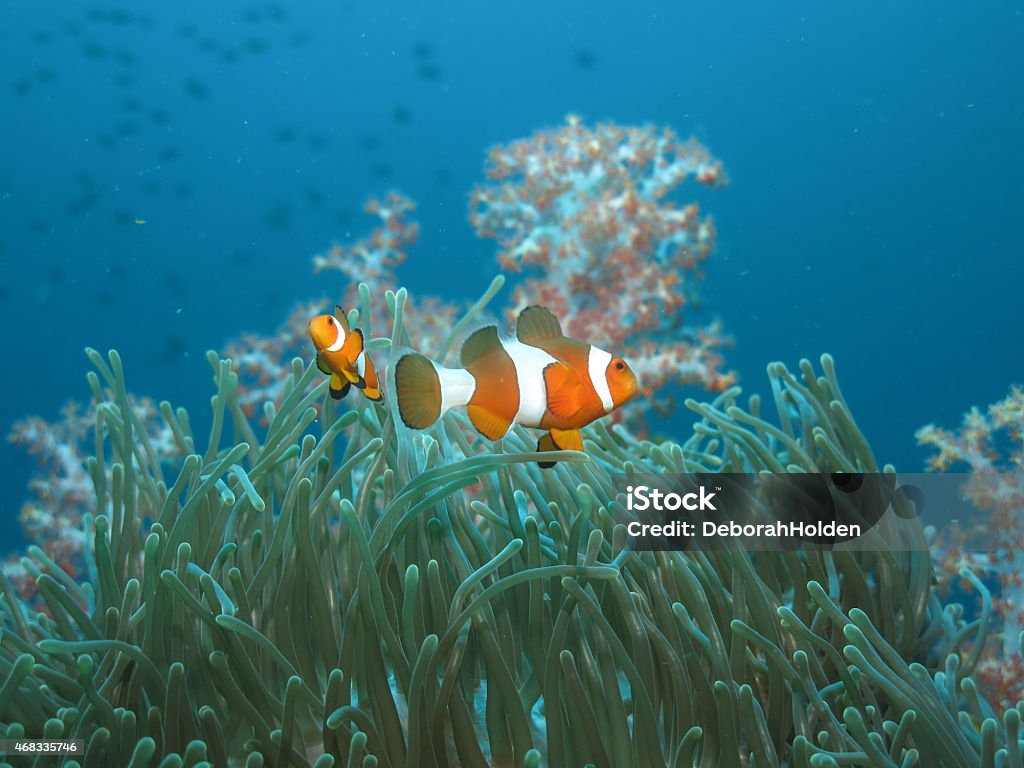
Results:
[519, 385]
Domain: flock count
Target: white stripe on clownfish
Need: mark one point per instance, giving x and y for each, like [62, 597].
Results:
[339, 341]
[530, 363]
[598, 367]
[457, 386]
[361, 364]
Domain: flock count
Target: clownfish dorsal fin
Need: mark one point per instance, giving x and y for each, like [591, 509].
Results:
[341, 316]
[535, 324]
[482, 343]
[564, 389]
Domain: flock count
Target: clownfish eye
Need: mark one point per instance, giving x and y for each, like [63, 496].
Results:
[330, 320]
[620, 365]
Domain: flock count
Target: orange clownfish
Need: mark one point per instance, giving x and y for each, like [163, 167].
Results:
[340, 354]
[540, 379]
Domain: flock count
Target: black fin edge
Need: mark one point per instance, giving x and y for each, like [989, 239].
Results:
[546, 464]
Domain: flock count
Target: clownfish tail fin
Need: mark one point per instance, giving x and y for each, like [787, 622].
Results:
[417, 391]
[424, 390]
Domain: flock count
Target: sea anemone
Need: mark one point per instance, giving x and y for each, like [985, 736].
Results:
[339, 591]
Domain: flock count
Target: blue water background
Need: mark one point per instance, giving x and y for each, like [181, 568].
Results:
[875, 211]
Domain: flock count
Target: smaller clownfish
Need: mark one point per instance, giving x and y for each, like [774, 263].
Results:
[341, 354]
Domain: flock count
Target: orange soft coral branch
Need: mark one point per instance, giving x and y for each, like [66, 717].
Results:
[587, 213]
[988, 445]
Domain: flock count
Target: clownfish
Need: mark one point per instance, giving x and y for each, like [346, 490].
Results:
[340, 354]
[540, 379]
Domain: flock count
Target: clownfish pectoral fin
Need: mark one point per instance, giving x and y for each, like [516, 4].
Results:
[339, 387]
[322, 365]
[545, 444]
[491, 425]
[372, 393]
[564, 390]
[536, 324]
[567, 439]
[353, 346]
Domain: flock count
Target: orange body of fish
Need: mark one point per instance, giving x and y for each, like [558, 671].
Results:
[540, 379]
[341, 354]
